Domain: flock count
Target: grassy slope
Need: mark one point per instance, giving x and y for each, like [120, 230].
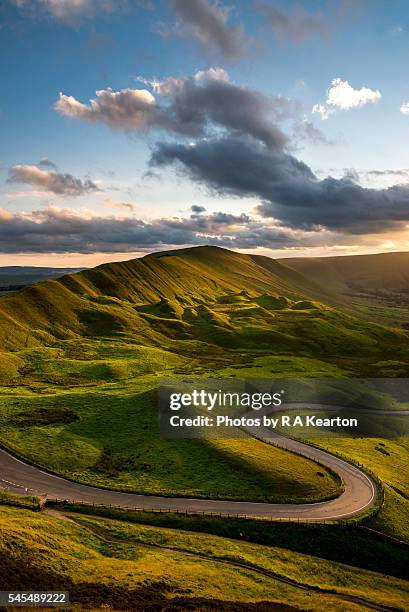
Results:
[115, 444]
[353, 273]
[82, 344]
[303, 569]
[187, 303]
[101, 337]
[122, 563]
[388, 460]
[184, 295]
[378, 284]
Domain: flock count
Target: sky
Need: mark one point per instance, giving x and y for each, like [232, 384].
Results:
[265, 126]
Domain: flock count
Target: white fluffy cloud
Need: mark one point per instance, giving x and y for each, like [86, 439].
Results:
[341, 95]
[404, 109]
[128, 109]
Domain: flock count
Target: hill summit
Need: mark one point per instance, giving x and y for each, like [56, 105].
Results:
[205, 294]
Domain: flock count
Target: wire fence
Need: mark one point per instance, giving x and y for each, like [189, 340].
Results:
[348, 521]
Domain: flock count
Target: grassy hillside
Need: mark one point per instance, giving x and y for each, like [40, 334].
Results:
[86, 351]
[388, 460]
[377, 284]
[109, 437]
[134, 566]
[81, 358]
[184, 301]
[383, 272]
[153, 296]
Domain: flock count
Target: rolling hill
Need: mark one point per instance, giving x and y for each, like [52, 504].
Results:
[207, 295]
[84, 353]
[371, 275]
[81, 361]
[376, 286]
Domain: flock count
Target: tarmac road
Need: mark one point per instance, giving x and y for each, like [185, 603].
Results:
[359, 490]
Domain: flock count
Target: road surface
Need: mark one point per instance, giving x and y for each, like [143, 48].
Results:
[359, 490]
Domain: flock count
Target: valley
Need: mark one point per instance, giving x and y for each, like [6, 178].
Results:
[81, 361]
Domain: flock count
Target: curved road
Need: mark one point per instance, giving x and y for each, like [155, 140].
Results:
[359, 490]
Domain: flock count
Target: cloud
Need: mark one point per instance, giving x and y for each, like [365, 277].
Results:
[51, 181]
[207, 24]
[119, 204]
[69, 11]
[404, 109]
[307, 131]
[197, 210]
[341, 95]
[47, 163]
[65, 230]
[287, 189]
[297, 25]
[350, 174]
[403, 173]
[190, 106]
[322, 110]
[128, 109]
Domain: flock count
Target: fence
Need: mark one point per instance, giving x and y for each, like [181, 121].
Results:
[197, 513]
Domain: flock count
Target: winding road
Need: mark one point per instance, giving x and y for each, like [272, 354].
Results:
[359, 491]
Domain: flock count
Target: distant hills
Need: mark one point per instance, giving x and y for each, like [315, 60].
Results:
[13, 278]
[375, 286]
[372, 275]
[205, 295]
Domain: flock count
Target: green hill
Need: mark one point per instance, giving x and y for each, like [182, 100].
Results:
[84, 352]
[352, 274]
[83, 355]
[115, 565]
[377, 286]
[204, 294]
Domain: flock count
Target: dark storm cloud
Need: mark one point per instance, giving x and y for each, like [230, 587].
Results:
[59, 230]
[239, 166]
[50, 181]
[209, 98]
[288, 189]
[206, 22]
[66, 231]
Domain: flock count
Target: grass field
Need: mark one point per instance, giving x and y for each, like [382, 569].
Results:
[388, 460]
[106, 562]
[109, 437]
